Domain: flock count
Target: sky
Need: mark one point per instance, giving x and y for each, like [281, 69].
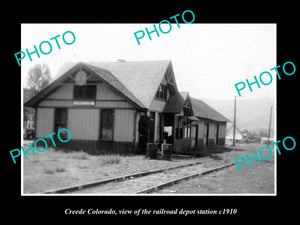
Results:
[208, 59]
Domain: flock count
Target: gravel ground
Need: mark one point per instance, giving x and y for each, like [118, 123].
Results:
[132, 186]
[258, 179]
[54, 169]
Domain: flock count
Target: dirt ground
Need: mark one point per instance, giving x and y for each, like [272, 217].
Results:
[258, 179]
[56, 169]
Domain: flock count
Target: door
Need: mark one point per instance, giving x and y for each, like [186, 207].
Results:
[151, 128]
[60, 119]
[217, 134]
[194, 136]
[206, 132]
[168, 130]
[106, 124]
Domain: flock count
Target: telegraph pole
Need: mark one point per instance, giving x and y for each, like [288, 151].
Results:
[234, 118]
[269, 126]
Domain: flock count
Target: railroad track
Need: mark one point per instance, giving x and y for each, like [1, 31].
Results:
[142, 183]
[183, 178]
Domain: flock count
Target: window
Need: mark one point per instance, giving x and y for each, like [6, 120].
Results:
[187, 130]
[85, 92]
[107, 124]
[165, 92]
[162, 92]
[60, 119]
[158, 93]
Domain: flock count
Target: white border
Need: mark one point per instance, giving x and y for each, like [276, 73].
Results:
[163, 195]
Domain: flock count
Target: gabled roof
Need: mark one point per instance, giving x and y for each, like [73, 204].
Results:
[142, 78]
[103, 75]
[116, 84]
[230, 129]
[174, 104]
[138, 81]
[184, 95]
[202, 110]
[238, 133]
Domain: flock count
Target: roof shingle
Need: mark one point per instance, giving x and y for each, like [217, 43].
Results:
[141, 78]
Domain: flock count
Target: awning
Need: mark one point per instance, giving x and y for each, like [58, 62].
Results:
[193, 118]
[190, 118]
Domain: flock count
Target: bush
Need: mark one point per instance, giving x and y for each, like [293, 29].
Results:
[60, 169]
[48, 171]
[80, 155]
[109, 160]
[52, 171]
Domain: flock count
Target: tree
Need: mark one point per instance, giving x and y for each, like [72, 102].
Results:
[38, 78]
[263, 133]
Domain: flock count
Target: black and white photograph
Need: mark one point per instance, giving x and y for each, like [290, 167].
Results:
[187, 112]
[137, 112]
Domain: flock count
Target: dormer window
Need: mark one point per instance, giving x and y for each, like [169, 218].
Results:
[162, 92]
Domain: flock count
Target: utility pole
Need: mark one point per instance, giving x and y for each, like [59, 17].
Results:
[270, 126]
[234, 118]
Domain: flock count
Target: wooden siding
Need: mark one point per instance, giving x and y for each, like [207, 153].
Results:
[63, 92]
[222, 130]
[138, 116]
[98, 104]
[124, 125]
[113, 104]
[105, 98]
[45, 122]
[56, 103]
[184, 145]
[83, 124]
[211, 136]
[106, 93]
[95, 147]
[212, 130]
[200, 129]
[211, 133]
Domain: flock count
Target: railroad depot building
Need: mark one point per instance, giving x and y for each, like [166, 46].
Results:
[102, 104]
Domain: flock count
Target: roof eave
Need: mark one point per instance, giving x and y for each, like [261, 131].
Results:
[216, 121]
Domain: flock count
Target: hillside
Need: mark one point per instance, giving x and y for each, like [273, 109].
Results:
[251, 114]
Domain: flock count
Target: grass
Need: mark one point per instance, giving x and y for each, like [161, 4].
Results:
[48, 171]
[109, 160]
[80, 155]
[54, 169]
